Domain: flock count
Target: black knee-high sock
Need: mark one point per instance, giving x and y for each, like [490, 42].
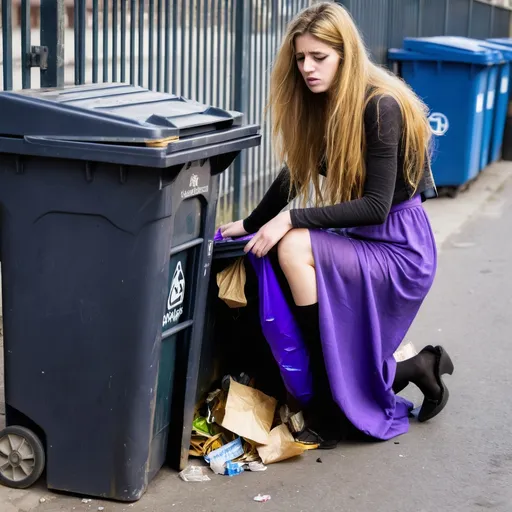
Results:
[309, 323]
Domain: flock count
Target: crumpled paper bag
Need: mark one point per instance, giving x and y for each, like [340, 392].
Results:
[280, 446]
[247, 412]
[231, 283]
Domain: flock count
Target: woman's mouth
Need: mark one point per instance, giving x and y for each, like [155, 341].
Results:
[313, 81]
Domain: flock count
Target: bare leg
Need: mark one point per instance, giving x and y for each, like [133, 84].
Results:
[296, 260]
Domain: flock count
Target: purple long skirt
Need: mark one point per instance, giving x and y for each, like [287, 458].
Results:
[371, 283]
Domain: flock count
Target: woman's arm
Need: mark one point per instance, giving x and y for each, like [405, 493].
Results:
[276, 198]
[383, 125]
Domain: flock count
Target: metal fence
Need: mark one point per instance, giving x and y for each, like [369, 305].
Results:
[384, 23]
[218, 52]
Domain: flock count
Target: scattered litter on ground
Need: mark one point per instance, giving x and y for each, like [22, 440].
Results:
[234, 468]
[194, 474]
[101, 508]
[42, 500]
[401, 455]
[262, 498]
[319, 460]
[256, 466]
[397, 442]
[86, 500]
[238, 428]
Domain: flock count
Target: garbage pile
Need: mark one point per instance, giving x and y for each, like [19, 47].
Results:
[238, 428]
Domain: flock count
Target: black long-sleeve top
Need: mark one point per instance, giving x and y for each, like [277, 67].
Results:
[384, 185]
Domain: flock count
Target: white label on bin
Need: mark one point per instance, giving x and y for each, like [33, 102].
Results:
[176, 297]
[439, 123]
[490, 100]
[504, 85]
[177, 293]
[480, 103]
[194, 188]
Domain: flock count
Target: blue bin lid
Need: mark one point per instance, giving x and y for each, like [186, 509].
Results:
[453, 49]
[504, 41]
[505, 50]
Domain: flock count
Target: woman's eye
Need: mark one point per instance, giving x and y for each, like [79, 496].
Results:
[319, 59]
[300, 59]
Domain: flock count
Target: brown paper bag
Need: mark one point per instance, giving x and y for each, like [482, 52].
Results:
[231, 283]
[280, 446]
[248, 413]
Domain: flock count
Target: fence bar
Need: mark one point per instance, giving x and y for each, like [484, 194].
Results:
[199, 53]
[82, 39]
[470, 17]
[52, 36]
[7, 43]
[141, 42]
[174, 46]
[256, 49]
[105, 41]
[151, 37]
[25, 43]
[123, 40]
[133, 18]
[191, 53]
[76, 35]
[115, 30]
[206, 59]
[219, 51]
[241, 90]
[226, 73]
[446, 16]
[259, 88]
[159, 8]
[183, 47]
[167, 40]
[420, 18]
[275, 42]
[95, 40]
[212, 49]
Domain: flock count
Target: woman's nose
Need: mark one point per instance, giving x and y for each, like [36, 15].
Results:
[308, 65]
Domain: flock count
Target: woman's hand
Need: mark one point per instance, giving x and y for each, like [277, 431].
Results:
[233, 229]
[269, 235]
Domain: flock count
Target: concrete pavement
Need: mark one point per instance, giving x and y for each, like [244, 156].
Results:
[460, 462]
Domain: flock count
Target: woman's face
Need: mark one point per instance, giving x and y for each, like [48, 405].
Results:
[317, 62]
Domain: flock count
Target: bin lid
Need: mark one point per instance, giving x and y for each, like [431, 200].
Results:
[505, 50]
[109, 113]
[505, 41]
[453, 49]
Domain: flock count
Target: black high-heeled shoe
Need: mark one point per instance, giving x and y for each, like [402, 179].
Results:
[444, 365]
[400, 385]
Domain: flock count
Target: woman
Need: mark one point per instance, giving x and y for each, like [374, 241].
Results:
[360, 263]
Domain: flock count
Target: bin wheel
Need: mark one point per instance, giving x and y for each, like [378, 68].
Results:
[22, 457]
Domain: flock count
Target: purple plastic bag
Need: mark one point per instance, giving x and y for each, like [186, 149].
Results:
[281, 330]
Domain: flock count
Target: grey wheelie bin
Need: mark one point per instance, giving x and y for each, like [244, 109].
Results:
[108, 198]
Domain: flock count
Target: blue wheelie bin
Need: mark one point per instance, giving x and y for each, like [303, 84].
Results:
[451, 75]
[503, 98]
[497, 96]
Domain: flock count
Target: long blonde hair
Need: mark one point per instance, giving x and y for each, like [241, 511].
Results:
[310, 129]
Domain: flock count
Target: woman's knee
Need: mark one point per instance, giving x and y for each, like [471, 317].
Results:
[295, 248]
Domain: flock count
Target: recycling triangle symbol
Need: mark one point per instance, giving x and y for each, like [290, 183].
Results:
[177, 293]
